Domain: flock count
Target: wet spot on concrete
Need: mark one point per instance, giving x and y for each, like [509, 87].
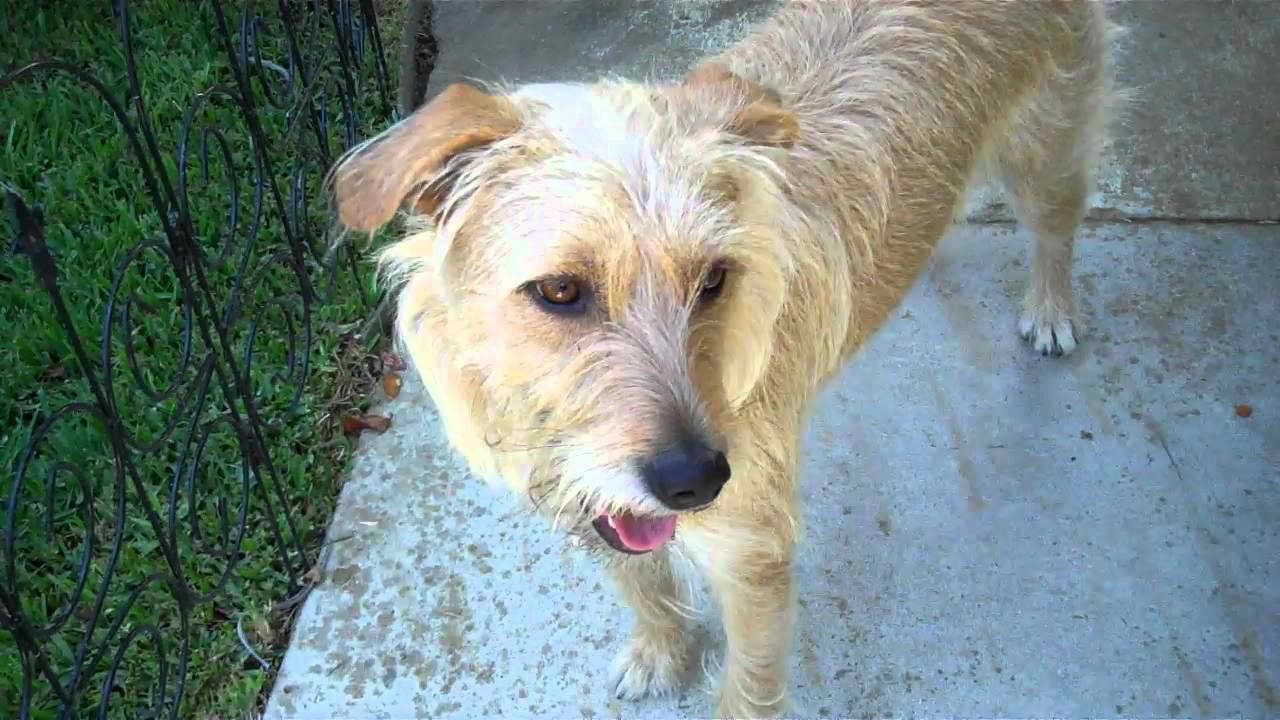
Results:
[886, 528]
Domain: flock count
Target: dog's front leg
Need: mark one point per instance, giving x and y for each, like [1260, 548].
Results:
[652, 660]
[755, 590]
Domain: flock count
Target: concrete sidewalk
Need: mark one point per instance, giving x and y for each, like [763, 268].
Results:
[990, 533]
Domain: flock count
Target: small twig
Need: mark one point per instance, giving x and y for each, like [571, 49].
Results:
[316, 574]
[318, 577]
[293, 600]
[332, 542]
[245, 642]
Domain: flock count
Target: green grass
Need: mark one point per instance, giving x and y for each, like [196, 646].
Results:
[61, 148]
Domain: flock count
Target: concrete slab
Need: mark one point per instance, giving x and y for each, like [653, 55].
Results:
[572, 40]
[990, 533]
[1202, 139]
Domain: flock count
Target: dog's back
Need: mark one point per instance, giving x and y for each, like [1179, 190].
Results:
[901, 103]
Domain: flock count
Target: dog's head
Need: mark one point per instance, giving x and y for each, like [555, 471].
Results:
[598, 269]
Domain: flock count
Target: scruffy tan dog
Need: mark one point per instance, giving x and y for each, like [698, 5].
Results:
[623, 297]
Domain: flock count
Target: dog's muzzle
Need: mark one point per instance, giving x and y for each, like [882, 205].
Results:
[686, 477]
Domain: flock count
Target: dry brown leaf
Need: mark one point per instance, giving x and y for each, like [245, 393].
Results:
[355, 424]
[391, 384]
[391, 362]
[1244, 410]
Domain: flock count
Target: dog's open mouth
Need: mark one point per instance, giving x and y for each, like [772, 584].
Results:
[631, 534]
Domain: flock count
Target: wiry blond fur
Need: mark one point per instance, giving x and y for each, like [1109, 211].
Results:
[818, 161]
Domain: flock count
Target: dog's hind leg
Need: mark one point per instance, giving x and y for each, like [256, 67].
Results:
[1051, 208]
[1045, 157]
[657, 652]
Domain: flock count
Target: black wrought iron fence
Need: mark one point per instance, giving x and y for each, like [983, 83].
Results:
[165, 447]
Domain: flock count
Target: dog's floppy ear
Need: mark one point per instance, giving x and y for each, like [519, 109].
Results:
[762, 120]
[375, 179]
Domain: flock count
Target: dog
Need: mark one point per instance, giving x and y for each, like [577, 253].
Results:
[623, 297]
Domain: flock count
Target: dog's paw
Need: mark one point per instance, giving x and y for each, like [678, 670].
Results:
[1050, 332]
[646, 667]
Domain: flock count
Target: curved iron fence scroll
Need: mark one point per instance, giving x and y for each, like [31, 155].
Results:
[189, 378]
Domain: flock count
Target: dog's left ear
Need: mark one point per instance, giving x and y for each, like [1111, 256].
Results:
[412, 157]
[763, 120]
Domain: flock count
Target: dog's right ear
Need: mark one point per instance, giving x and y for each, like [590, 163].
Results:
[762, 119]
[411, 158]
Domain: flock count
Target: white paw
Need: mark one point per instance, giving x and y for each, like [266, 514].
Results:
[645, 667]
[1050, 332]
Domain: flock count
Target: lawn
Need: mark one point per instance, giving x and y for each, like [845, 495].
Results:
[185, 535]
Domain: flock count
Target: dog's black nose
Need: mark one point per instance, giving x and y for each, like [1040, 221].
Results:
[687, 476]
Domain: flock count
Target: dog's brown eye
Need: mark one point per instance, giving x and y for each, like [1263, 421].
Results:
[559, 291]
[712, 282]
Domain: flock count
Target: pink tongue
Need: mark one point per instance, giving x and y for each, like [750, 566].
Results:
[643, 533]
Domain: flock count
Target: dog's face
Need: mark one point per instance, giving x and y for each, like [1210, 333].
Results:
[602, 266]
